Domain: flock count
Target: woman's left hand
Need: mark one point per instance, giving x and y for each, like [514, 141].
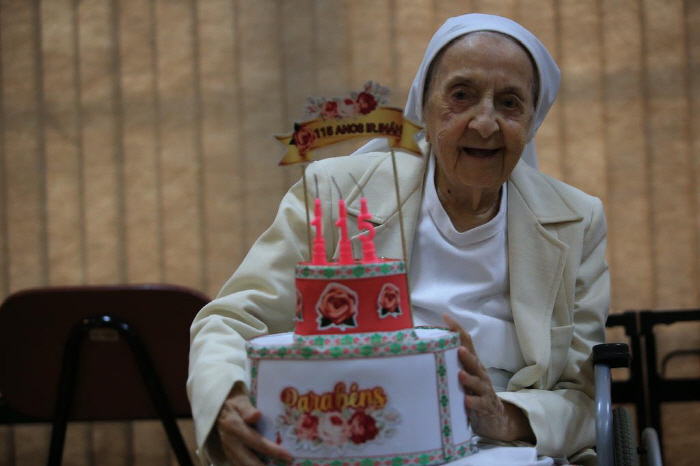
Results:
[489, 416]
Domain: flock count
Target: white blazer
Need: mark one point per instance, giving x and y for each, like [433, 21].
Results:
[559, 289]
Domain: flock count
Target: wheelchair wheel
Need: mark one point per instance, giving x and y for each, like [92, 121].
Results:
[624, 445]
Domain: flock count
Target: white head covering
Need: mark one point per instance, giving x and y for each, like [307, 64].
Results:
[549, 74]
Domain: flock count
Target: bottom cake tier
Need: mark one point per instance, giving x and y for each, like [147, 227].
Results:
[382, 399]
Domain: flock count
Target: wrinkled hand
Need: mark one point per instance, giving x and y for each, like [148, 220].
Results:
[239, 439]
[489, 416]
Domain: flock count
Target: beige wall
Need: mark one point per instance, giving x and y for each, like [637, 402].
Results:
[135, 145]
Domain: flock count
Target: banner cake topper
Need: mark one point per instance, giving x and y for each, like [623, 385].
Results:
[357, 115]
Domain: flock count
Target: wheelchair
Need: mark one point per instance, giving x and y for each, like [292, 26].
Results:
[615, 434]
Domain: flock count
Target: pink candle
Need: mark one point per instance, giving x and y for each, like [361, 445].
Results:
[368, 252]
[346, 257]
[319, 254]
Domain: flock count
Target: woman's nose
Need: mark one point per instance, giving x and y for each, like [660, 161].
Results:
[484, 122]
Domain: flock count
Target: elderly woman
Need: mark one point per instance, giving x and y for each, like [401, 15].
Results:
[497, 248]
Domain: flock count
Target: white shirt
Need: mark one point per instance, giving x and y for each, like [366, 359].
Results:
[465, 274]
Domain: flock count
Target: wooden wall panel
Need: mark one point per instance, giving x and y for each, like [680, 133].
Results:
[143, 216]
[628, 206]
[260, 59]
[64, 203]
[673, 217]
[542, 19]
[136, 146]
[180, 137]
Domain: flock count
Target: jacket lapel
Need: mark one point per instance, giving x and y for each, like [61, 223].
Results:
[536, 260]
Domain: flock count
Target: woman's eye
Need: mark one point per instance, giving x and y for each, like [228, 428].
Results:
[511, 103]
[460, 95]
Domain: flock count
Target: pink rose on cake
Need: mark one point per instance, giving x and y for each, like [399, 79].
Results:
[363, 427]
[337, 307]
[306, 427]
[304, 138]
[389, 300]
[333, 429]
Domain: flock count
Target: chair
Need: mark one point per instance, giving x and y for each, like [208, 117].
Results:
[97, 353]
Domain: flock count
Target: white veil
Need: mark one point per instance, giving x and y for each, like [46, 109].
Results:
[547, 69]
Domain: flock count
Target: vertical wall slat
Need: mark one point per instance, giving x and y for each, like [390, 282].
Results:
[414, 26]
[542, 20]
[62, 154]
[671, 173]
[179, 158]
[369, 43]
[628, 206]
[139, 141]
[220, 127]
[260, 78]
[580, 95]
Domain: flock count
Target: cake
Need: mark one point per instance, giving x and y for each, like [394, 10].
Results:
[355, 384]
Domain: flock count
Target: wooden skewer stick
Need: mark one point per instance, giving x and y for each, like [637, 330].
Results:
[306, 207]
[398, 204]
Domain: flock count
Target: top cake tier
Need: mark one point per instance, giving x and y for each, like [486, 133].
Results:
[357, 298]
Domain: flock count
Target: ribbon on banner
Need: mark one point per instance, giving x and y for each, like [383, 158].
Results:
[386, 122]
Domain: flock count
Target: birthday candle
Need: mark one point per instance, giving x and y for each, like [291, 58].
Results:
[368, 251]
[346, 257]
[319, 255]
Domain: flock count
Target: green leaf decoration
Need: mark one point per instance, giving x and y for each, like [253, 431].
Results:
[442, 342]
[335, 352]
[385, 268]
[422, 346]
[424, 459]
[446, 431]
[306, 271]
[318, 341]
[400, 336]
[307, 352]
[346, 340]
[444, 400]
[336, 463]
[367, 462]
[442, 370]
[358, 271]
[366, 350]
[376, 339]
[329, 272]
[402, 266]
[307, 463]
[395, 348]
[396, 461]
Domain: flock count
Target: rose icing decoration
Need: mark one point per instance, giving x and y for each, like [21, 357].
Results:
[333, 429]
[389, 300]
[366, 102]
[299, 314]
[363, 427]
[306, 427]
[337, 307]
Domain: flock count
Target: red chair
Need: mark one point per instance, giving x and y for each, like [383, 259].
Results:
[97, 353]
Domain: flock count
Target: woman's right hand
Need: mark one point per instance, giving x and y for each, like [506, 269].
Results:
[239, 439]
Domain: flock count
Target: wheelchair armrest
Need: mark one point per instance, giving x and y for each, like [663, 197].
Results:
[612, 354]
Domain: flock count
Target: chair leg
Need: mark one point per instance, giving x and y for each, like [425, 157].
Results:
[157, 394]
[64, 398]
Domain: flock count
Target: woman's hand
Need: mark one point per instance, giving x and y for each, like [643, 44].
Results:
[489, 416]
[239, 439]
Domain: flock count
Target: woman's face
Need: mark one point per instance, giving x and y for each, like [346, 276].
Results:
[479, 110]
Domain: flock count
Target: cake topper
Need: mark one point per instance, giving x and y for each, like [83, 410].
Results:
[356, 115]
[329, 121]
